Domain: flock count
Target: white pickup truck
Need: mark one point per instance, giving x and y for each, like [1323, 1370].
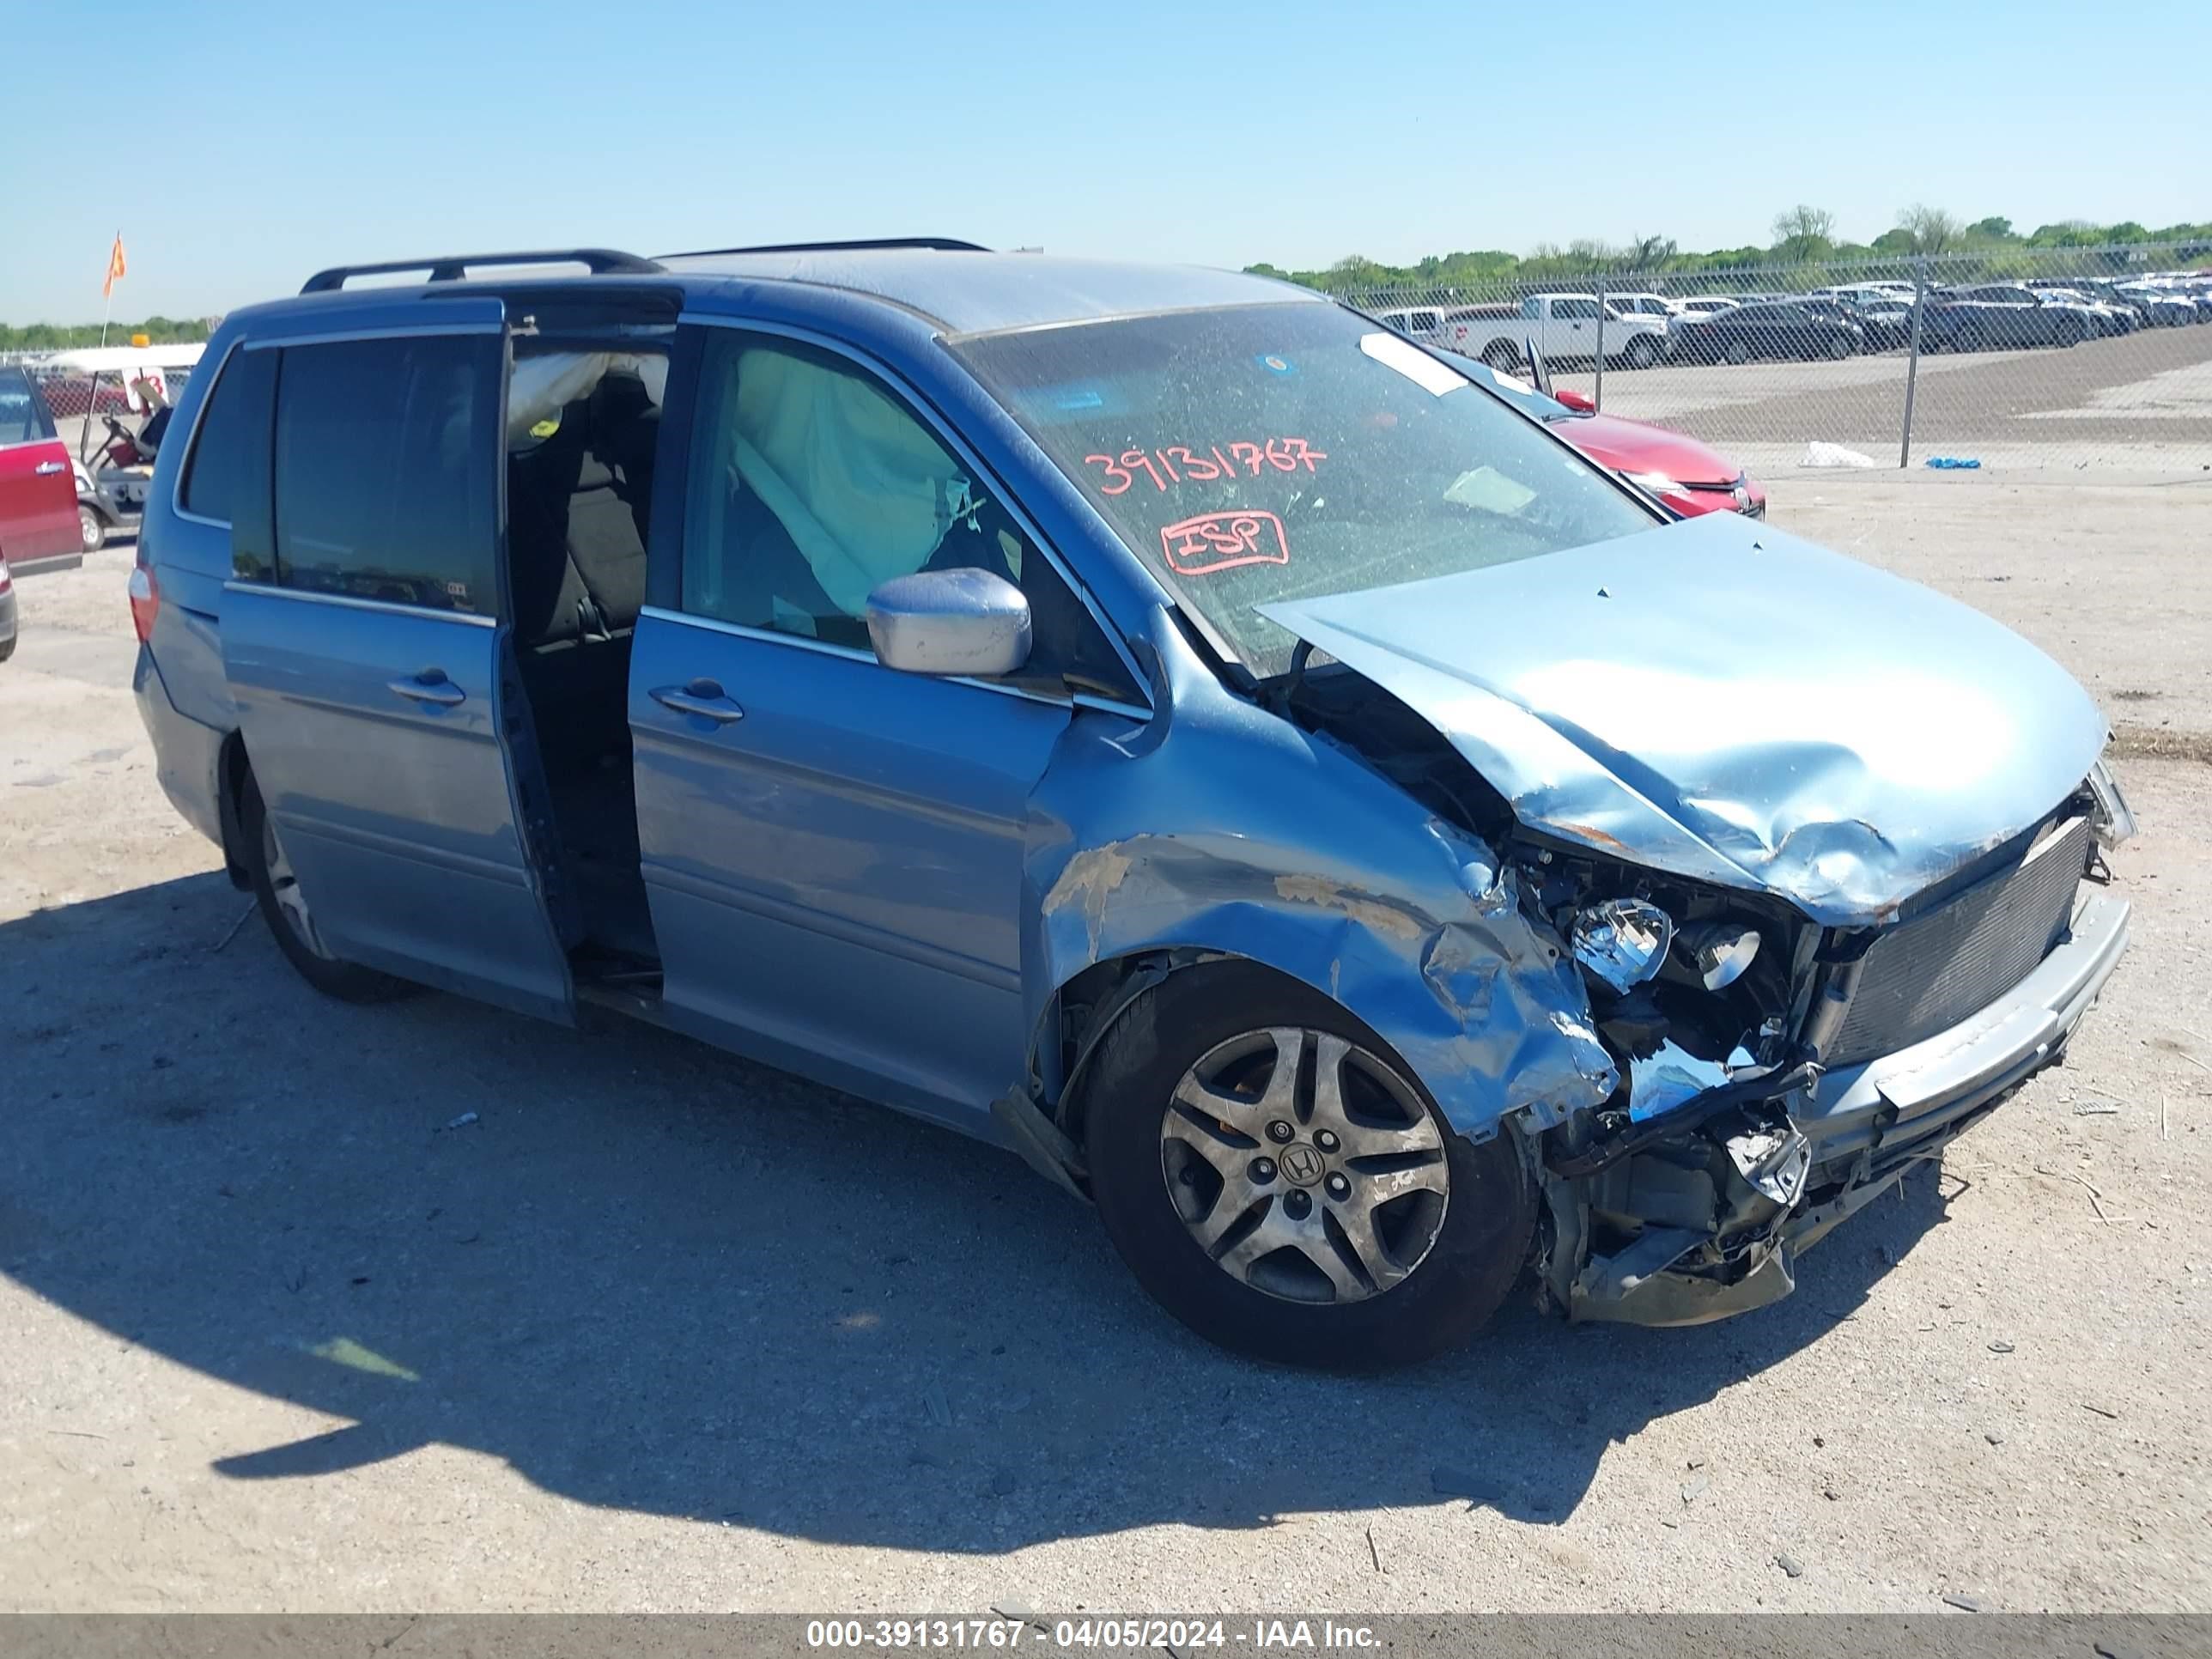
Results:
[1562, 327]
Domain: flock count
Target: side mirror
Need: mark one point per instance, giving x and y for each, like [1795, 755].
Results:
[1574, 399]
[950, 621]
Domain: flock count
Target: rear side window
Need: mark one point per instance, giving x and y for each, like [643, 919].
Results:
[23, 417]
[236, 419]
[385, 453]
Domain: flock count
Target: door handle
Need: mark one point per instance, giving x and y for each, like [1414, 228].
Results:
[46, 469]
[703, 697]
[431, 685]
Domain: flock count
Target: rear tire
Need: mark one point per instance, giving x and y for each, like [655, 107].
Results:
[1643, 351]
[1739, 352]
[1501, 356]
[91, 529]
[1367, 1276]
[282, 908]
[1839, 349]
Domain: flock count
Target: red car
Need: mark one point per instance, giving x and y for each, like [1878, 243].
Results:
[38, 492]
[1681, 471]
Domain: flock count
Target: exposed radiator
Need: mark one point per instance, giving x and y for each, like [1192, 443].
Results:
[1926, 975]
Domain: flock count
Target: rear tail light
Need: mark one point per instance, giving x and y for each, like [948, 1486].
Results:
[145, 601]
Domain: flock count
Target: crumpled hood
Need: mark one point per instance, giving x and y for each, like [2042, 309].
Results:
[1733, 704]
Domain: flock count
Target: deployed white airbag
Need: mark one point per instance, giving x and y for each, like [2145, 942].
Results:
[862, 487]
[546, 383]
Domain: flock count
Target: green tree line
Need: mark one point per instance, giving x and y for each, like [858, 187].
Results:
[1803, 235]
[64, 336]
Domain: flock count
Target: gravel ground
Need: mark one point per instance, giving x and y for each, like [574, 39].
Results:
[657, 1329]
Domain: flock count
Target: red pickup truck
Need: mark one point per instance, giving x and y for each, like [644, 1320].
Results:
[38, 492]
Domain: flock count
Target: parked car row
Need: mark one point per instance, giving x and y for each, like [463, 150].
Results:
[2154, 302]
[1977, 317]
[1637, 330]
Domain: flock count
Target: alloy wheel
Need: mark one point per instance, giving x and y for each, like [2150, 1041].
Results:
[1305, 1166]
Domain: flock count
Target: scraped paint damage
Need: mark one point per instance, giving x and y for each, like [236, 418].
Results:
[1417, 929]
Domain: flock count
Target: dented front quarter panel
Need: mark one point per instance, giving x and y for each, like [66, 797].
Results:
[1216, 827]
[1728, 703]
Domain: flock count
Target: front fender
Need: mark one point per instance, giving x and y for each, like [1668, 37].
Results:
[1219, 828]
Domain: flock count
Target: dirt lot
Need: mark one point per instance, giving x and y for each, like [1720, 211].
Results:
[658, 1329]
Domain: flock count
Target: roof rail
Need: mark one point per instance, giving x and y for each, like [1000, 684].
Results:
[452, 267]
[941, 244]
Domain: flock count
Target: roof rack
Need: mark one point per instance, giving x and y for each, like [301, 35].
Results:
[452, 267]
[941, 244]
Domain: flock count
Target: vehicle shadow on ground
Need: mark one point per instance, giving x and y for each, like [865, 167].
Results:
[652, 1277]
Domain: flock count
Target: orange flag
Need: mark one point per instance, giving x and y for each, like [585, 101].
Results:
[115, 267]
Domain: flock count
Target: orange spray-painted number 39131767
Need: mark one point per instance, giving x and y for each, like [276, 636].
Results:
[1179, 464]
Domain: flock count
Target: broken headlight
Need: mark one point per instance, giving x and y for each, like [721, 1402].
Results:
[1622, 941]
[2115, 822]
[1716, 953]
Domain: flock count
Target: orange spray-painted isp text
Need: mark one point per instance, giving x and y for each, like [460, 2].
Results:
[1214, 542]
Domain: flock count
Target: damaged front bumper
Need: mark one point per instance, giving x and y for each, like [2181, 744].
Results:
[1658, 1239]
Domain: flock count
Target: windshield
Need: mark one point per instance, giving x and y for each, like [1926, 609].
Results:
[1281, 452]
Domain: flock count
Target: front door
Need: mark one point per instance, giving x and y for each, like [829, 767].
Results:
[1573, 331]
[833, 850]
[363, 640]
[833, 856]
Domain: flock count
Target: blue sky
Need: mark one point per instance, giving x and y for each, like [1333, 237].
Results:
[284, 137]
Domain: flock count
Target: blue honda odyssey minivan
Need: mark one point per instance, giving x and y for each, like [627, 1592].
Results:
[1160, 721]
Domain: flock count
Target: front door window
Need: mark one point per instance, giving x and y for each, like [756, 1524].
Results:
[812, 483]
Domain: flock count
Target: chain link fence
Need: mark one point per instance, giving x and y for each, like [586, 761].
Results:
[2015, 358]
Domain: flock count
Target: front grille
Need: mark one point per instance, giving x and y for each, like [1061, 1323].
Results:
[1926, 975]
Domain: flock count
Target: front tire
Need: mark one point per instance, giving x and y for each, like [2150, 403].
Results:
[1643, 351]
[1739, 352]
[1278, 1180]
[284, 907]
